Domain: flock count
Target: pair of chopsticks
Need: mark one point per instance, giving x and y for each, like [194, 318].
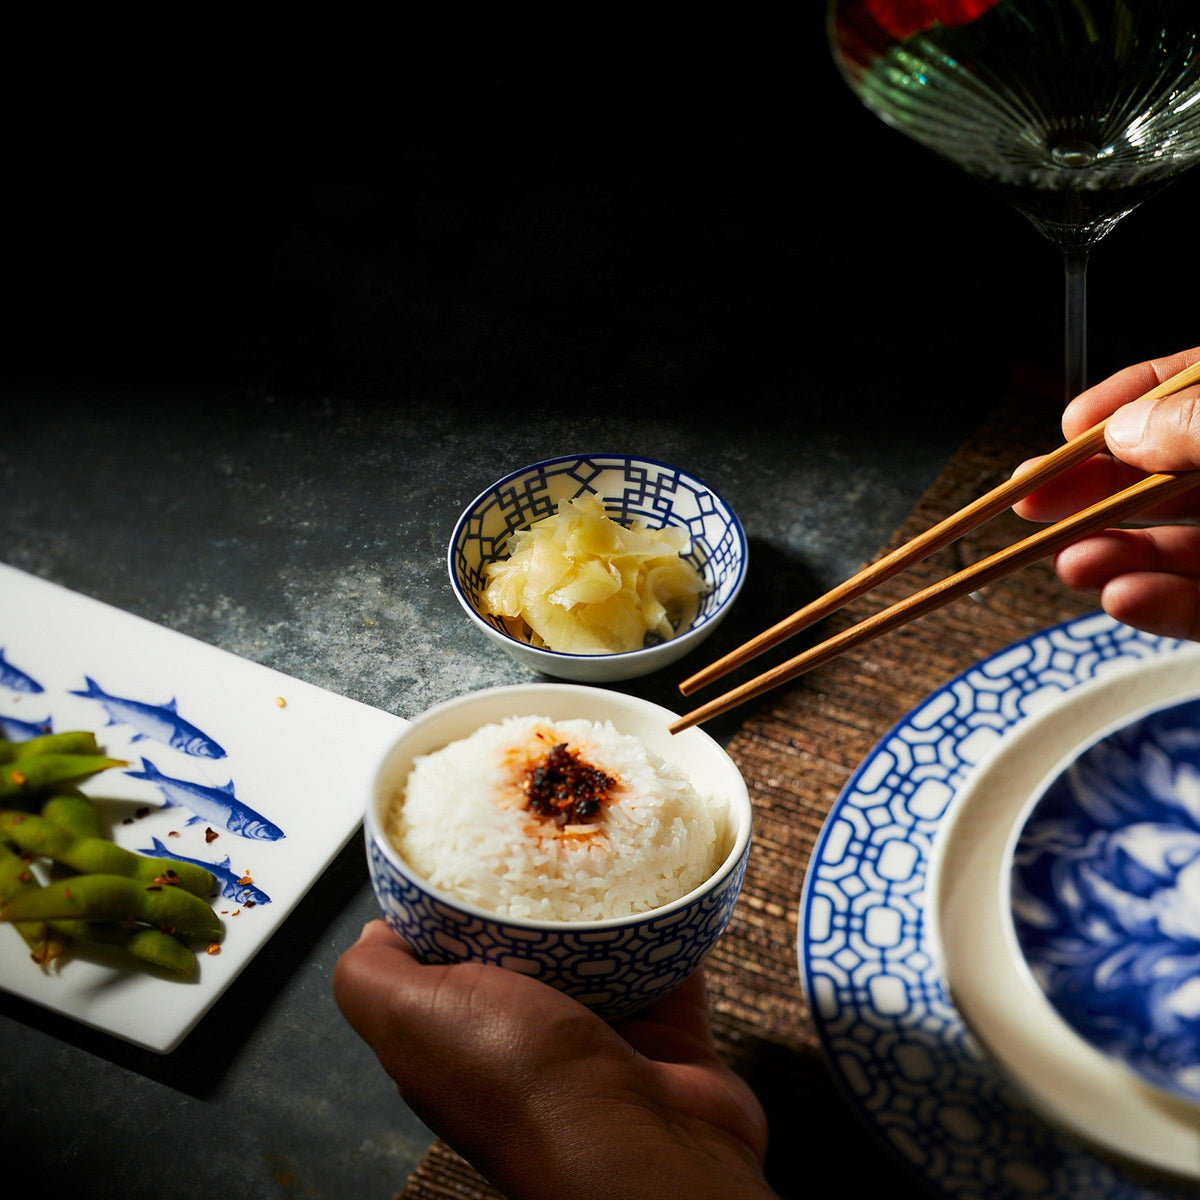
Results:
[1152, 490]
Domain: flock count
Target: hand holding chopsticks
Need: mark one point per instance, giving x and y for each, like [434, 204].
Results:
[1152, 490]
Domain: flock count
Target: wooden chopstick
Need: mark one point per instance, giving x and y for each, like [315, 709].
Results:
[1147, 492]
[924, 544]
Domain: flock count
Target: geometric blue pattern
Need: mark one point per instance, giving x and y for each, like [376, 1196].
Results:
[630, 488]
[613, 968]
[894, 1041]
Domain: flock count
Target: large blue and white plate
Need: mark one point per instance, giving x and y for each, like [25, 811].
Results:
[253, 772]
[902, 948]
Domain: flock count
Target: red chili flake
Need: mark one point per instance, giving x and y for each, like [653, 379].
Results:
[25, 876]
[236, 912]
[66, 893]
[167, 879]
[564, 787]
[250, 903]
[210, 835]
[167, 929]
[18, 777]
[173, 833]
[212, 948]
[245, 879]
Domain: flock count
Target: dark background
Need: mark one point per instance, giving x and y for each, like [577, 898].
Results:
[278, 302]
[562, 211]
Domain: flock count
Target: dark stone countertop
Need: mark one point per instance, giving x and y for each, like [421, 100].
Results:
[310, 535]
[269, 334]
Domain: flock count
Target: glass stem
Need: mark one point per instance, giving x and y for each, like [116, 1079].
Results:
[1075, 341]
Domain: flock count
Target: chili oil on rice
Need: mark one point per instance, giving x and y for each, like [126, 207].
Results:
[464, 822]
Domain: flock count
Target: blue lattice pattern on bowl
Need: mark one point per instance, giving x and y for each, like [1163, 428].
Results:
[614, 967]
[631, 488]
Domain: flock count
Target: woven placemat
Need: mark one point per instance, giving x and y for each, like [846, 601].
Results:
[796, 751]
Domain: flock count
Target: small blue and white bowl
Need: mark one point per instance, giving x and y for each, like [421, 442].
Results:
[612, 966]
[1104, 895]
[630, 488]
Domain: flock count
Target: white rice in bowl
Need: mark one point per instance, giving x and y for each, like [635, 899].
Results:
[474, 821]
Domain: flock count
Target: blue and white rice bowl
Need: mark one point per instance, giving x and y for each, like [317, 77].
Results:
[1104, 895]
[614, 965]
[631, 488]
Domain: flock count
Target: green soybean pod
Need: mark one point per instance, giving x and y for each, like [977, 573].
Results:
[77, 741]
[147, 945]
[117, 898]
[30, 775]
[74, 811]
[15, 875]
[44, 944]
[98, 856]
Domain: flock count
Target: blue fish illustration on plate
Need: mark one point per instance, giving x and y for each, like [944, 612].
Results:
[13, 730]
[15, 679]
[226, 876]
[219, 805]
[158, 721]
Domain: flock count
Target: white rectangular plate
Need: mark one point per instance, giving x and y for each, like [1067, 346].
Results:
[298, 756]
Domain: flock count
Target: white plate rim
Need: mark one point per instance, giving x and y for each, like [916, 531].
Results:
[1154, 1129]
[1189, 694]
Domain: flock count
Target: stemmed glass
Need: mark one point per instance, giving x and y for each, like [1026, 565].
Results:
[1074, 110]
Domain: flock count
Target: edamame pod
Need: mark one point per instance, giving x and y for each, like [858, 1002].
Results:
[44, 944]
[147, 945]
[117, 898]
[15, 875]
[97, 856]
[74, 812]
[78, 741]
[29, 775]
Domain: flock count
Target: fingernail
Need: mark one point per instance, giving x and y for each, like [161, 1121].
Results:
[1127, 426]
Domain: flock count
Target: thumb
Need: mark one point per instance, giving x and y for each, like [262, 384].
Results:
[1158, 435]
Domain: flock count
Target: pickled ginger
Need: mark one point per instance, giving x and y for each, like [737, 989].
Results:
[581, 583]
